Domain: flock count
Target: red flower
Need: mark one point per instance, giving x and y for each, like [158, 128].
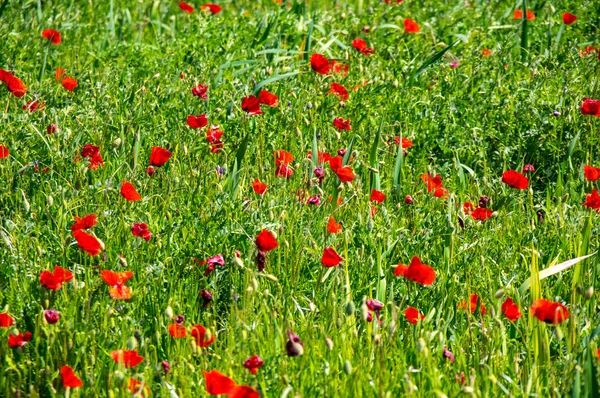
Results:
[253, 363]
[87, 243]
[159, 156]
[202, 336]
[243, 392]
[185, 7]
[413, 315]
[519, 15]
[549, 311]
[54, 280]
[69, 83]
[406, 143]
[338, 89]
[472, 304]
[590, 106]
[33, 106]
[59, 74]
[592, 200]
[433, 183]
[510, 309]
[331, 258]
[212, 8]
[213, 135]
[197, 122]
[116, 281]
[344, 173]
[259, 187]
[217, 383]
[128, 192]
[341, 124]
[361, 46]
[200, 91]
[251, 105]
[591, 173]
[13, 83]
[267, 98]
[333, 227]
[514, 179]
[568, 18]
[411, 26]
[129, 359]
[486, 53]
[417, 272]
[140, 229]
[177, 330]
[19, 340]
[6, 320]
[340, 68]
[377, 196]
[282, 161]
[284, 171]
[481, 213]
[52, 35]
[92, 153]
[320, 64]
[138, 388]
[86, 222]
[265, 241]
[4, 152]
[69, 379]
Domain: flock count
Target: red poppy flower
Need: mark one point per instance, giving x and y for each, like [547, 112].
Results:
[129, 359]
[331, 258]
[197, 122]
[341, 123]
[202, 336]
[177, 330]
[514, 179]
[243, 392]
[510, 309]
[417, 272]
[406, 143]
[283, 157]
[486, 52]
[19, 340]
[339, 90]
[320, 64]
[284, 171]
[140, 229]
[54, 280]
[159, 156]
[411, 26]
[92, 153]
[433, 183]
[472, 304]
[337, 67]
[4, 152]
[185, 7]
[333, 227]
[59, 74]
[6, 320]
[212, 8]
[86, 222]
[322, 157]
[549, 311]
[481, 213]
[259, 187]
[52, 35]
[361, 46]
[69, 83]
[377, 196]
[568, 18]
[116, 281]
[217, 383]
[87, 243]
[253, 363]
[592, 200]
[33, 106]
[251, 105]
[13, 83]
[128, 192]
[138, 388]
[519, 15]
[201, 91]
[590, 107]
[69, 379]
[413, 315]
[344, 173]
[267, 98]
[265, 241]
[591, 173]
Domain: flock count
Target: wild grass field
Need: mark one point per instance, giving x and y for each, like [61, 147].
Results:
[349, 198]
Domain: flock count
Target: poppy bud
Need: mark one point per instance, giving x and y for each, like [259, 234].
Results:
[540, 216]
[117, 142]
[165, 366]
[339, 323]
[528, 168]
[341, 152]
[448, 354]
[392, 326]
[364, 312]
[132, 343]
[499, 294]
[329, 343]
[150, 171]
[51, 316]
[169, 312]
[347, 367]
[138, 335]
[559, 334]
[238, 261]
[350, 307]
[483, 201]
[122, 260]
[294, 346]
[421, 345]
[395, 83]
[589, 292]
[254, 283]
[206, 297]
[579, 289]
[9, 225]
[51, 129]
[49, 200]
[408, 200]
[261, 260]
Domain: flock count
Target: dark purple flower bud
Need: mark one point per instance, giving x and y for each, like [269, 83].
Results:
[314, 200]
[179, 319]
[369, 317]
[483, 201]
[556, 113]
[374, 305]
[253, 363]
[294, 346]
[448, 354]
[206, 297]
[51, 316]
[138, 335]
[319, 173]
[261, 260]
[220, 172]
[51, 129]
[150, 171]
[216, 260]
[166, 367]
[341, 152]
[289, 104]
[540, 215]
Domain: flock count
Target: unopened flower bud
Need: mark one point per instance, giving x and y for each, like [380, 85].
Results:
[51, 316]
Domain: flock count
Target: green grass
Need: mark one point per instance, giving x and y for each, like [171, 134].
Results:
[468, 124]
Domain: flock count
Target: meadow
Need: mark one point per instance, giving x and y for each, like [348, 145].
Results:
[334, 198]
